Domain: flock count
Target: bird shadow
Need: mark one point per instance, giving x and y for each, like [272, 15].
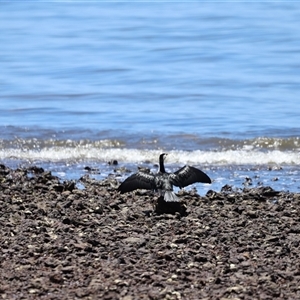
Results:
[163, 207]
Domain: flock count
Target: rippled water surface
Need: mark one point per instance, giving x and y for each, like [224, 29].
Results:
[214, 84]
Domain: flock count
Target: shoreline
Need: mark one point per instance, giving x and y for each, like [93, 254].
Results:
[61, 242]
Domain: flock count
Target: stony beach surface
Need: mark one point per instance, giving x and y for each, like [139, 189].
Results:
[62, 242]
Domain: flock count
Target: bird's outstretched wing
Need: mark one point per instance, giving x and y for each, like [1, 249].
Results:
[136, 181]
[188, 175]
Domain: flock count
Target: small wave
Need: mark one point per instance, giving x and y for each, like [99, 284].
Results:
[81, 153]
[49, 138]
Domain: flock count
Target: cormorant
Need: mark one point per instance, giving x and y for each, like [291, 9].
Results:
[164, 181]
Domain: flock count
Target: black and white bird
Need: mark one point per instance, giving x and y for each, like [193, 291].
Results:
[163, 181]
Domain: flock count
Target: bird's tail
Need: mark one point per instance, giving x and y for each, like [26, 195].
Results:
[170, 197]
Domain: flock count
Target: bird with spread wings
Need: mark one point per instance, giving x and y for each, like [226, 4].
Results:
[164, 181]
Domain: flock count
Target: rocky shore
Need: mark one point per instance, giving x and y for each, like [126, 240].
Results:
[62, 242]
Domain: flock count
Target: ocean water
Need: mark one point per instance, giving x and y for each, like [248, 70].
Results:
[216, 85]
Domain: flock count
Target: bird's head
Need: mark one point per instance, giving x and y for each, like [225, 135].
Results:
[163, 156]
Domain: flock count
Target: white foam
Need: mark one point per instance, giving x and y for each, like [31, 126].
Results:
[90, 153]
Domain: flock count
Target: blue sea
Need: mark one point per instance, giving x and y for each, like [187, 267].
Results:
[214, 84]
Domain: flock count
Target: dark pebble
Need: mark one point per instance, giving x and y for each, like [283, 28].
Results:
[60, 242]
